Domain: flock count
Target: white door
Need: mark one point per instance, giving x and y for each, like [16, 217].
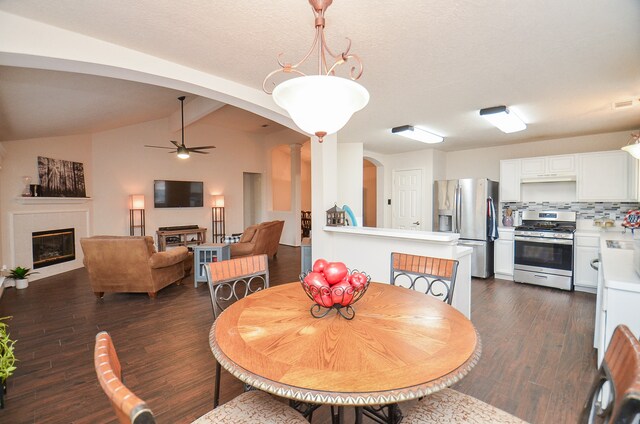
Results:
[407, 199]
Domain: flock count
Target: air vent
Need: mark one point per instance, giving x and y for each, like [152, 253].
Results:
[623, 104]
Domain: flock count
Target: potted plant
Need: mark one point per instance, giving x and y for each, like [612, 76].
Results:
[7, 358]
[19, 275]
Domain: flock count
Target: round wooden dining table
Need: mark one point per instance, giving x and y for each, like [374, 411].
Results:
[401, 345]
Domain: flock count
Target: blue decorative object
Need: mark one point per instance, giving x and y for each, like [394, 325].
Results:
[352, 218]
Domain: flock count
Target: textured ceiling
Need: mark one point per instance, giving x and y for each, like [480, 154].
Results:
[560, 64]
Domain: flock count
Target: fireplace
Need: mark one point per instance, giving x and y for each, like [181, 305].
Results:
[53, 247]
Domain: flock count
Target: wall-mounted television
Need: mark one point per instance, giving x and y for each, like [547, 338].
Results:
[177, 194]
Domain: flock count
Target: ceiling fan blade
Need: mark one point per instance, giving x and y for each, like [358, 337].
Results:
[158, 147]
[175, 143]
[196, 151]
[201, 147]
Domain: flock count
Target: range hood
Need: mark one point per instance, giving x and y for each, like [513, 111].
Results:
[548, 179]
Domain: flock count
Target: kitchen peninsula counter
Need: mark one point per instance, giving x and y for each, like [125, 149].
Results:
[369, 249]
[618, 293]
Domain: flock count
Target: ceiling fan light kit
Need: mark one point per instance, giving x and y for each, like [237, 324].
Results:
[183, 152]
[417, 133]
[503, 118]
[320, 104]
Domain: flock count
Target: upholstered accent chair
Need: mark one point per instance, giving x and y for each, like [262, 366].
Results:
[259, 239]
[248, 408]
[123, 264]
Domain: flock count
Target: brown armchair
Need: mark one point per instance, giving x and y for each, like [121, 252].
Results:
[259, 239]
[125, 264]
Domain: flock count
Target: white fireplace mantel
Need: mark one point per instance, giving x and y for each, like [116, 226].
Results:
[51, 200]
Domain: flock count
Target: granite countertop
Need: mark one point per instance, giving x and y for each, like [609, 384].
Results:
[617, 264]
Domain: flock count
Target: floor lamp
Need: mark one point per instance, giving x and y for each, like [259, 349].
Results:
[136, 210]
[217, 218]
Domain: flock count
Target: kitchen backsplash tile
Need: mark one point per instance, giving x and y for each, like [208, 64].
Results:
[584, 210]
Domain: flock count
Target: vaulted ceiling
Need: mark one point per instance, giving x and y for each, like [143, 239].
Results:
[434, 63]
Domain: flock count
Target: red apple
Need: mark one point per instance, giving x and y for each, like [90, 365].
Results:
[318, 266]
[342, 293]
[358, 280]
[334, 272]
[319, 288]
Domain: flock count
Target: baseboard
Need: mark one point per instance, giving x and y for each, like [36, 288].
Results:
[504, 277]
[583, 289]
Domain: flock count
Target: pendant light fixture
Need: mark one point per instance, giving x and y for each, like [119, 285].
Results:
[633, 146]
[320, 104]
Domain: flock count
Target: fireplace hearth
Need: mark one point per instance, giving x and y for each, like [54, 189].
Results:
[53, 247]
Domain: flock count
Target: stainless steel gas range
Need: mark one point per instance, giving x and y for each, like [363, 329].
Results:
[543, 249]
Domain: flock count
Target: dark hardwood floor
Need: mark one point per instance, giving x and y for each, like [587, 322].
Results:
[537, 360]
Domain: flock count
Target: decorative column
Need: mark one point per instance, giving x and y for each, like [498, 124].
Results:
[296, 187]
[324, 188]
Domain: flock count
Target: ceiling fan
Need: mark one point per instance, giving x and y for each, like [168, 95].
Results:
[182, 150]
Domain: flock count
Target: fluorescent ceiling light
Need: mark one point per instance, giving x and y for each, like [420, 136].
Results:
[416, 133]
[507, 121]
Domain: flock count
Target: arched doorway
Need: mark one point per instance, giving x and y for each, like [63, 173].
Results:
[369, 193]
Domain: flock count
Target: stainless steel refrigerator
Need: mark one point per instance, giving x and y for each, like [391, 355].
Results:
[460, 206]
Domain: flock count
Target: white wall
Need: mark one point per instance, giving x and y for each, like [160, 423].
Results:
[350, 178]
[21, 159]
[291, 217]
[478, 163]
[117, 164]
[305, 177]
[123, 166]
[485, 162]
[420, 159]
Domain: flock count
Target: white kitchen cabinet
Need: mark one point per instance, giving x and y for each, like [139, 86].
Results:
[607, 176]
[503, 254]
[510, 180]
[548, 166]
[585, 276]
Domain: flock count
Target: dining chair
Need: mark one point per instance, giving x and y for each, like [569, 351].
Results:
[433, 276]
[620, 370]
[230, 281]
[248, 408]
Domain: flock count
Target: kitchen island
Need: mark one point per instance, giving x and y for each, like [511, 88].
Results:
[618, 295]
[369, 250]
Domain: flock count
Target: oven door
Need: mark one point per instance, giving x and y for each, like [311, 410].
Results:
[537, 254]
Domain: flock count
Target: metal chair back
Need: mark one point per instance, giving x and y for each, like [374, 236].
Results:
[615, 395]
[433, 276]
[230, 281]
[235, 279]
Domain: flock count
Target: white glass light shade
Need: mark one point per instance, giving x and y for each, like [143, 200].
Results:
[183, 153]
[633, 149]
[504, 119]
[417, 133]
[217, 201]
[137, 201]
[320, 103]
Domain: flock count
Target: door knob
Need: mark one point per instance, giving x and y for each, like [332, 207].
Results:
[416, 223]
